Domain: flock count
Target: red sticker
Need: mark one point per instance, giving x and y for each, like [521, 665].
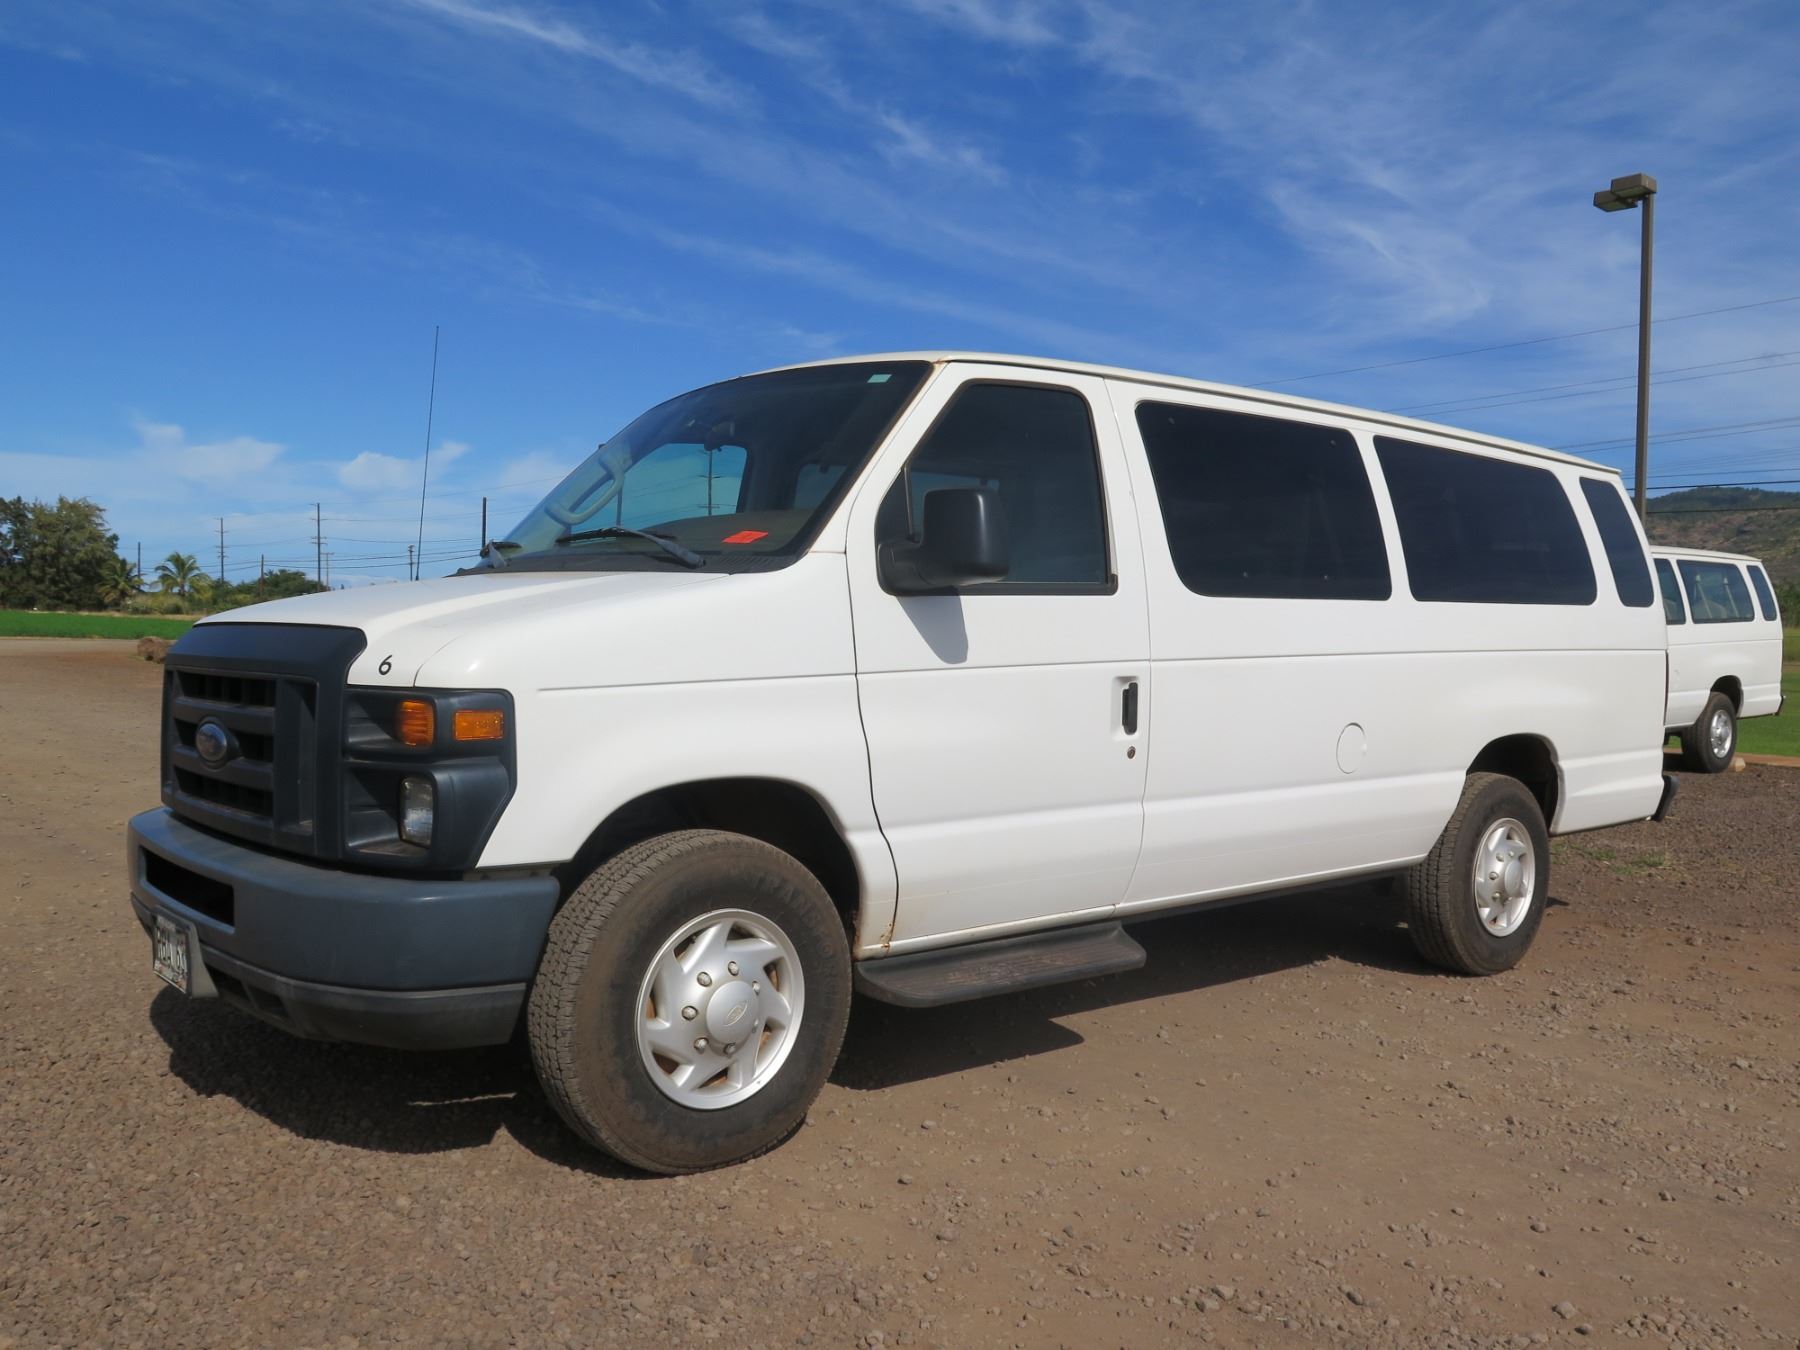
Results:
[745, 537]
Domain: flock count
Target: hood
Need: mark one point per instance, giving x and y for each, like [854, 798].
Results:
[408, 622]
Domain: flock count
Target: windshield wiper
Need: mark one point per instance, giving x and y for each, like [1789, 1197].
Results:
[681, 553]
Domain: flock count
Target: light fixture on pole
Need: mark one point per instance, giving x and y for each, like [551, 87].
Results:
[1625, 194]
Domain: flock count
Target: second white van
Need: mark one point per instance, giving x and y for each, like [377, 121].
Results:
[1724, 649]
[915, 674]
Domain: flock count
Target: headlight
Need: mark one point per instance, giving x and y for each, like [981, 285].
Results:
[418, 804]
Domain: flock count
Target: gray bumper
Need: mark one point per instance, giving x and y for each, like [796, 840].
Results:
[339, 955]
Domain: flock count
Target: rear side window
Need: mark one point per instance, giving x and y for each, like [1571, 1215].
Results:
[1485, 531]
[1716, 592]
[1765, 597]
[1259, 506]
[1673, 609]
[1624, 553]
[1034, 445]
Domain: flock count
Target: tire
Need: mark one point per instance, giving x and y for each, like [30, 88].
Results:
[1698, 742]
[598, 1022]
[1481, 931]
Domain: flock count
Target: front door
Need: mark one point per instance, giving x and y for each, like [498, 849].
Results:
[1007, 723]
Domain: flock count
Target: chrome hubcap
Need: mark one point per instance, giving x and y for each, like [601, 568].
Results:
[1505, 877]
[719, 1008]
[1718, 732]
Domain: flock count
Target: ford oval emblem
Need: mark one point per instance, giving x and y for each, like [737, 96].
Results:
[213, 744]
[733, 1017]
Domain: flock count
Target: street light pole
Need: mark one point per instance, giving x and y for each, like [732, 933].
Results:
[1634, 190]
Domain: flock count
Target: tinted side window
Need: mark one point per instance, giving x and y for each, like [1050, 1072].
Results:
[1488, 531]
[1624, 554]
[1258, 506]
[1765, 597]
[1673, 608]
[1035, 446]
[1716, 592]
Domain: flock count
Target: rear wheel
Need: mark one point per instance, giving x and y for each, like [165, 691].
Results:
[1711, 743]
[1475, 903]
[691, 1001]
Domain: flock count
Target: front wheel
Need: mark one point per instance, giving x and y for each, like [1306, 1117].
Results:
[691, 1001]
[1475, 903]
[1711, 743]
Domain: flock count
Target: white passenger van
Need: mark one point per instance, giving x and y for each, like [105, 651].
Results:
[1724, 649]
[916, 674]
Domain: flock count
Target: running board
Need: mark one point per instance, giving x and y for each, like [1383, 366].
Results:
[999, 966]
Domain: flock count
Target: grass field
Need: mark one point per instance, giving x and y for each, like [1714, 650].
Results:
[1790, 645]
[31, 623]
[1775, 735]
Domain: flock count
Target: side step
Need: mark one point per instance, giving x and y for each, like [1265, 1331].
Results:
[999, 966]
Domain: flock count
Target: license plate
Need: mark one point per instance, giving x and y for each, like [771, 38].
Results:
[169, 949]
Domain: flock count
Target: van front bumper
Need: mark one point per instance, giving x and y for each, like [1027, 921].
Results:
[347, 956]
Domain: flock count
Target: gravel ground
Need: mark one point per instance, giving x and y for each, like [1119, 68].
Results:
[1283, 1130]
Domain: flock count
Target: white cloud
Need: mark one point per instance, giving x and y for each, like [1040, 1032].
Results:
[213, 462]
[372, 471]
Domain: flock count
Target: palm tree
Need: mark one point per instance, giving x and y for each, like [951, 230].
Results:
[177, 573]
[121, 582]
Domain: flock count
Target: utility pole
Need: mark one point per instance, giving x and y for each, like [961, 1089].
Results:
[262, 566]
[484, 524]
[140, 566]
[221, 548]
[318, 548]
[411, 571]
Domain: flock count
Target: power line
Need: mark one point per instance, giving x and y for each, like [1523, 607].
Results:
[430, 407]
[1622, 384]
[1689, 433]
[1527, 342]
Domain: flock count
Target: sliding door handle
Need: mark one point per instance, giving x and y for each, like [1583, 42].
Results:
[1128, 708]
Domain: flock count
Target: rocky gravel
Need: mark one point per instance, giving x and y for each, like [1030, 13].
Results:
[1283, 1131]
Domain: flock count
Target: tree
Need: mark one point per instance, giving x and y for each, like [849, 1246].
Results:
[177, 573]
[123, 581]
[55, 557]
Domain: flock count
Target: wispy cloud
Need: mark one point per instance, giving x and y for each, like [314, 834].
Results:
[678, 72]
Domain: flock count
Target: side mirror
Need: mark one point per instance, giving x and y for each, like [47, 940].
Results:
[963, 542]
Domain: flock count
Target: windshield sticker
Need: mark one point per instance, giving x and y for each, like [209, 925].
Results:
[745, 537]
[880, 379]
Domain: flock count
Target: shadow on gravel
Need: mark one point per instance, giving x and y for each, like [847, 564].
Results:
[1361, 924]
[388, 1101]
[394, 1102]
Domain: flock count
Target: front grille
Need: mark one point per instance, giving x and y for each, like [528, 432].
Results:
[248, 690]
[275, 694]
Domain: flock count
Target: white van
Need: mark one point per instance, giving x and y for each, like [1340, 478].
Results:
[915, 674]
[1724, 649]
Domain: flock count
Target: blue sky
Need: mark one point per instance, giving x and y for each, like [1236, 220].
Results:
[229, 228]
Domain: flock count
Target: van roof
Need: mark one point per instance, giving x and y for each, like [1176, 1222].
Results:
[1671, 551]
[1264, 396]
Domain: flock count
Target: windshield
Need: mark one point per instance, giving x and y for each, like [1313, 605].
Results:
[736, 473]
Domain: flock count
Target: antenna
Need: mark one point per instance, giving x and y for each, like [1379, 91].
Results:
[425, 475]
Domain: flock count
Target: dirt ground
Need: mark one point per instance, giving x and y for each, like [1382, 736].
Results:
[1283, 1131]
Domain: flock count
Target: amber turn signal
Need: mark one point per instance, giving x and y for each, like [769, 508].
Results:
[417, 722]
[480, 724]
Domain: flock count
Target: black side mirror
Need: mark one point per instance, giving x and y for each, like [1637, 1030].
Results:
[963, 542]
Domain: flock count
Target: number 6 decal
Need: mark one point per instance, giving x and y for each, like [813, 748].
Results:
[387, 664]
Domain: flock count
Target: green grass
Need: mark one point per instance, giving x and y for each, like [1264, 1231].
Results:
[1790, 645]
[31, 623]
[1775, 735]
